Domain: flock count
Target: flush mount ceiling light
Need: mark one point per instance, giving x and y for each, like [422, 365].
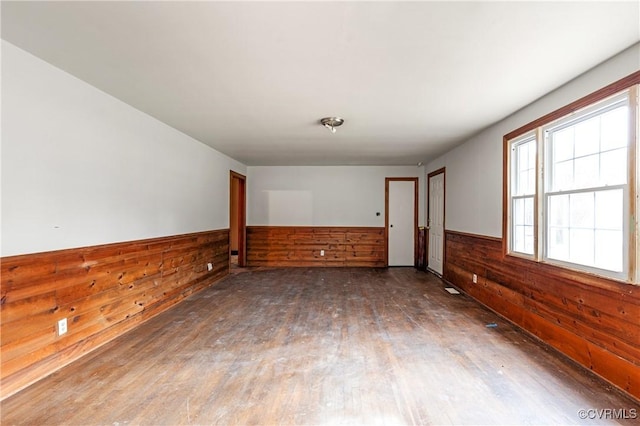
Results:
[331, 123]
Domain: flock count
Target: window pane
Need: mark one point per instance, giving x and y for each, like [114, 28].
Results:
[581, 246]
[587, 228]
[586, 172]
[523, 156]
[523, 178]
[587, 137]
[532, 155]
[609, 249]
[531, 179]
[563, 145]
[523, 183]
[608, 210]
[581, 210]
[522, 229]
[563, 176]
[523, 239]
[589, 153]
[528, 211]
[528, 239]
[559, 210]
[613, 167]
[518, 211]
[518, 239]
[615, 129]
[558, 243]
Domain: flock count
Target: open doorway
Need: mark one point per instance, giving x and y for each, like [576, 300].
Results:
[237, 220]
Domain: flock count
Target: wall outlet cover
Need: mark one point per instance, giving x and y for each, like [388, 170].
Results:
[62, 326]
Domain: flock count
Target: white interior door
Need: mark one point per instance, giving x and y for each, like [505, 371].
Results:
[436, 222]
[401, 223]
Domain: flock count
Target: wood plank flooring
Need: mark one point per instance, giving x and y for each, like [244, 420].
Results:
[322, 346]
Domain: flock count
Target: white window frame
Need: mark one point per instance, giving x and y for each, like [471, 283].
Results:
[521, 140]
[596, 109]
[595, 104]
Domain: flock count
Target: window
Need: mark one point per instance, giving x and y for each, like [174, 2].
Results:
[523, 194]
[586, 182]
[570, 197]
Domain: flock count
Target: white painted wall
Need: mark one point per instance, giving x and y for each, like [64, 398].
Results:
[323, 196]
[474, 169]
[80, 167]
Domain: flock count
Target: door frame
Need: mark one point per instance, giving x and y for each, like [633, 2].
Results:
[434, 173]
[386, 216]
[241, 216]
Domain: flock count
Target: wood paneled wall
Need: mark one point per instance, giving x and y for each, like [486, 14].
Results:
[103, 291]
[593, 320]
[301, 246]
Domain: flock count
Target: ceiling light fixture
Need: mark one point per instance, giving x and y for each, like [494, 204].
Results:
[331, 123]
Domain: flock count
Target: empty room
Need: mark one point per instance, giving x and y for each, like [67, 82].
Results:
[309, 213]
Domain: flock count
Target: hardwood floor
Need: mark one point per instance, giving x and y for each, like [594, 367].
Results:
[322, 346]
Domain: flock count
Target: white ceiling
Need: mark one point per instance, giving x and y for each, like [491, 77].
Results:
[253, 79]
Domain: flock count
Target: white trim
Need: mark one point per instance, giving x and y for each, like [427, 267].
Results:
[544, 175]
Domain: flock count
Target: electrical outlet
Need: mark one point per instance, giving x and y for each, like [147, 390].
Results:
[62, 326]
[209, 266]
[321, 252]
[475, 279]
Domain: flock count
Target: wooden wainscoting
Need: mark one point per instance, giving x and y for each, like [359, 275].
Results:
[593, 320]
[302, 245]
[102, 291]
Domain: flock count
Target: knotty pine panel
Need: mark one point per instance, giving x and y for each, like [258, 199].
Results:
[103, 291]
[301, 246]
[593, 320]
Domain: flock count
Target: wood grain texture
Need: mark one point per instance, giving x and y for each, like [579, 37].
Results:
[103, 291]
[593, 320]
[317, 346]
[299, 246]
[421, 255]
